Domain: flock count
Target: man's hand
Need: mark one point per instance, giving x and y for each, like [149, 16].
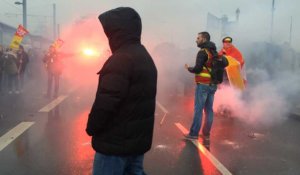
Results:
[186, 66]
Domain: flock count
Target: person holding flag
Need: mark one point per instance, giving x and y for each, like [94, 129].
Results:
[235, 73]
[54, 68]
[236, 64]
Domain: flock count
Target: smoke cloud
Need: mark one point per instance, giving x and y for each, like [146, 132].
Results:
[268, 102]
[81, 68]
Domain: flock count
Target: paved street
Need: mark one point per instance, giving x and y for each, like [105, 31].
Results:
[53, 140]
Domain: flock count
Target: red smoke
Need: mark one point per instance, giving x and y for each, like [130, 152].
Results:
[85, 49]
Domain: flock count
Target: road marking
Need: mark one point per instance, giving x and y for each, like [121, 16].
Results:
[86, 143]
[204, 151]
[11, 135]
[164, 110]
[53, 104]
[162, 107]
[162, 120]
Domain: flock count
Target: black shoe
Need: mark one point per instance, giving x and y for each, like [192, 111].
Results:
[204, 137]
[188, 136]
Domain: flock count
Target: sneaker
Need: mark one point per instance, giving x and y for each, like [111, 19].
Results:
[188, 136]
[10, 92]
[17, 92]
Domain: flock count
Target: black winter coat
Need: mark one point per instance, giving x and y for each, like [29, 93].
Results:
[202, 56]
[53, 63]
[121, 120]
[22, 61]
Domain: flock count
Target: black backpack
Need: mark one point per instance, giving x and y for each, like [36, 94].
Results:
[219, 63]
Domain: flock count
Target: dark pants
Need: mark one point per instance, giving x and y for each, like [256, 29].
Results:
[118, 165]
[52, 77]
[21, 79]
[13, 82]
[204, 99]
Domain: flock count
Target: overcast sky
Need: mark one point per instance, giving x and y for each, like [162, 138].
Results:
[174, 21]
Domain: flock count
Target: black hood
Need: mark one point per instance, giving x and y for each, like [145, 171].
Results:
[208, 45]
[122, 26]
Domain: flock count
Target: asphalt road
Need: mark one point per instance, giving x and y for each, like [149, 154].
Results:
[53, 140]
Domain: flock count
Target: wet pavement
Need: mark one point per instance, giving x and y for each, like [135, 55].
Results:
[57, 143]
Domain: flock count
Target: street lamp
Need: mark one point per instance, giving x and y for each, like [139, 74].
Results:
[23, 3]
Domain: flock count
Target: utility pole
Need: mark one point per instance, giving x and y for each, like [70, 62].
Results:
[291, 30]
[24, 4]
[272, 20]
[237, 13]
[54, 21]
[58, 30]
[25, 14]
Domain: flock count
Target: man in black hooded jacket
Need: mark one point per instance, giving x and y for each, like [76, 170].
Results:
[121, 120]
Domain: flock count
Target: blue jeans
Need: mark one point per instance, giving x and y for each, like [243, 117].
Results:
[204, 99]
[118, 165]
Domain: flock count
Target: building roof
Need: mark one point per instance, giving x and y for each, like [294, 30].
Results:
[6, 28]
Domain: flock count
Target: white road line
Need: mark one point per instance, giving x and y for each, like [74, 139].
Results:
[161, 107]
[162, 120]
[86, 143]
[53, 104]
[206, 153]
[11, 135]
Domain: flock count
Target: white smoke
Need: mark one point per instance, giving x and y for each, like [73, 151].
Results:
[268, 102]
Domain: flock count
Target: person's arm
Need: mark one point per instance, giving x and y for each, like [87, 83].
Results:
[112, 88]
[201, 59]
[222, 52]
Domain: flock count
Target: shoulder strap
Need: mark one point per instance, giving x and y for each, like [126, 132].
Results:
[207, 52]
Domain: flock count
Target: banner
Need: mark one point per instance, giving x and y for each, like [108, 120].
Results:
[18, 37]
[235, 74]
[58, 43]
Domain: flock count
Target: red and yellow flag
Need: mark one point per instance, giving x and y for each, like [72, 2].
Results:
[18, 37]
[58, 43]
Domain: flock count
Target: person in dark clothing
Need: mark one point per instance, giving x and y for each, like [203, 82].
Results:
[205, 89]
[11, 71]
[1, 67]
[54, 67]
[121, 120]
[22, 61]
